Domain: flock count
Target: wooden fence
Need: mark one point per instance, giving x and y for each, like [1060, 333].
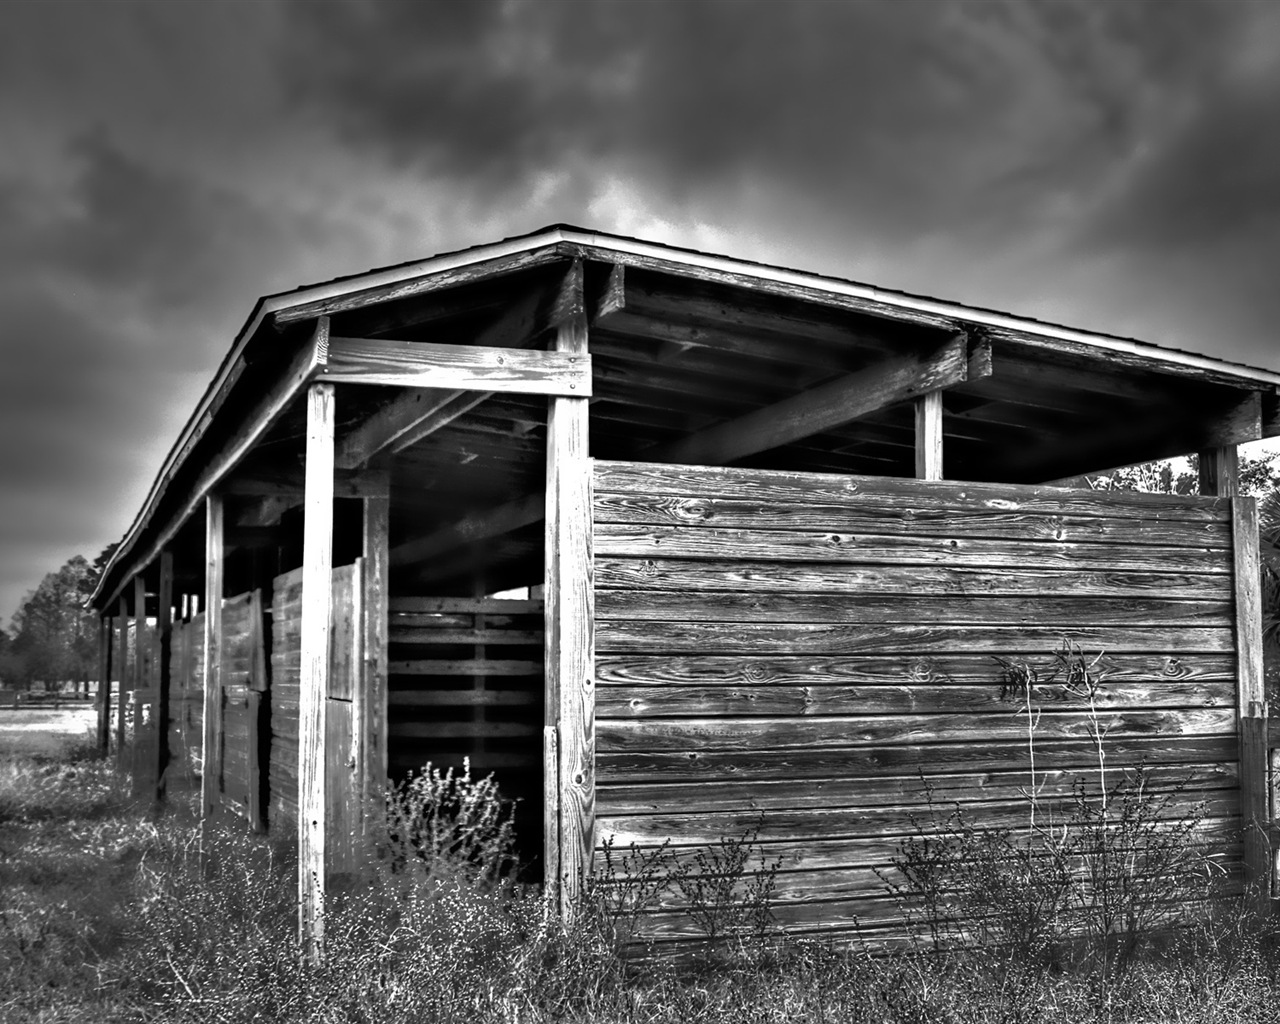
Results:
[814, 655]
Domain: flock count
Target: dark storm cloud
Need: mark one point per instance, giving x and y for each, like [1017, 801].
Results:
[924, 109]
[1004, 150]
[117, 297]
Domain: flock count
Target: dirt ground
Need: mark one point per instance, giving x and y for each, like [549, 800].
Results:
[44, 730]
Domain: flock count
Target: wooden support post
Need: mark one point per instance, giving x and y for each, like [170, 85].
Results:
[104, 684]
[569, 608]
[139, 761]
[317, 596]
[211, 747]
[1220, 472]
[929, 436]
[1251, 702]
[164, 673]
[550, 811]
[372, 719]
[122, 644]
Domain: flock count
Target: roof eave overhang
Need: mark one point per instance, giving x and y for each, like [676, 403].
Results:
[571, 242]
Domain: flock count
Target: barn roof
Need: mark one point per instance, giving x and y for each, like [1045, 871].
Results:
[684, 342]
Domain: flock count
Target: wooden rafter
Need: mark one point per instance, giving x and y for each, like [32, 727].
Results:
[822, 408]
[417, 412]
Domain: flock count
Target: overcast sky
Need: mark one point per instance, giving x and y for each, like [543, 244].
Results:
[1107, 165]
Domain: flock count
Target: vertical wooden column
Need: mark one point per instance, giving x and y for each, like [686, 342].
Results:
[211, 747]
[317, 596]
[1220, 472]
[121, 704]
[929, 436]
[164, 672]
[1220, 477]
[105, 669]
[138, 760]
[1252, 702]
[372, 716]
[569, 611]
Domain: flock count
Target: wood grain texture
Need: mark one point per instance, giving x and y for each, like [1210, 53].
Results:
[1252, 707]
[878, 609]
[626, 540]
[705, 766]
[873, 581]
[374, 714]
[211, 684]
[317, 561]
[767, 485]
[1092, 523]
[823, 651]
[421, 364]
[569, 614]
[617, 636]
[928, 410]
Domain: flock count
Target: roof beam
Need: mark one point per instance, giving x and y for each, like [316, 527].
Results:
[824, 407]
[636, 304]
[419, 412]
[424, 364]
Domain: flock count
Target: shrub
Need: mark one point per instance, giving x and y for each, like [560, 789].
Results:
[1088, 880]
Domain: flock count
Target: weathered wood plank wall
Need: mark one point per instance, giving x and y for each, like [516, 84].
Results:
[345, 657]
[806, 647]
[243, 684]
[286, 664]
[186, 700]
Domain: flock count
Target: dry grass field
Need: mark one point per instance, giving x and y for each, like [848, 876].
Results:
[110, 913]
[45, 732]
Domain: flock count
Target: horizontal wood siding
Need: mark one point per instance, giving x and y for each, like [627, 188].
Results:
[796, 651]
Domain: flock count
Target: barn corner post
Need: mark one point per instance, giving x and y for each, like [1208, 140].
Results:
[1219, 477]
[317, 596]
[569, 738]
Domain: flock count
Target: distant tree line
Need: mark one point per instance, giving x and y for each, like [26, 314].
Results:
[53, 638]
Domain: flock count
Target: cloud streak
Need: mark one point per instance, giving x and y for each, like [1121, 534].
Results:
[1105, 165]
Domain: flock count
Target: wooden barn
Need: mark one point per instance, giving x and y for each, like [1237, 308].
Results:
[773, 530]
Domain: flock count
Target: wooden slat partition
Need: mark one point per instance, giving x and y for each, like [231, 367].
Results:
[243, 683]
[286, 655]
[436, 681]
[806, 647]
[186, 700]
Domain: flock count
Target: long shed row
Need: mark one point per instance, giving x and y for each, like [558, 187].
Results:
[780, 541]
